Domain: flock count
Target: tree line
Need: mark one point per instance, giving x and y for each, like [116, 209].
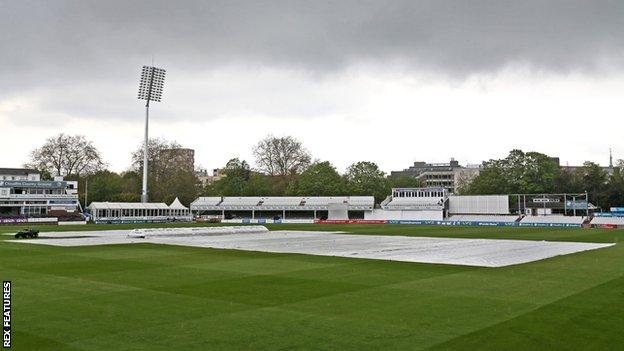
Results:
[534, 173]
[284, 167]
[319, 178]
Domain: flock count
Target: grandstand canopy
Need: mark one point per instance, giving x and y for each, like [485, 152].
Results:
[128, 206]
[281, 203]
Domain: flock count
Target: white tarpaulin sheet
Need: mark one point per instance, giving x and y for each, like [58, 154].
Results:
[469, 252]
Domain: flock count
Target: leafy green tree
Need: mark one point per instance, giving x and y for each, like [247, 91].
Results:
[519, 172]
[126, 197]
[404, 181]
[593, 179]
[102, 185]
[320, 179]
[614, 194]
[237, 174]
[131, 183]
[365, 178]
[530, 172]
[491, 180]
[45, 174]
[259, 184]
[564, 182]
[240, 180]
[105, 185]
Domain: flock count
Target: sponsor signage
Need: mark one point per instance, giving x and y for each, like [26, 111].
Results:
[43, 220]
[130, 221]
[11, 220]
[33, 184]
[72, 223]
[484, 224]
[411, 222]
[605, 226]
[268, 221]
[579, 205]
[556, 225]
[408, 222]
[396, 221]
[70, 202]
[545, 200]
[43, 196]
[617, 209]
[609, 214]
[350, 221]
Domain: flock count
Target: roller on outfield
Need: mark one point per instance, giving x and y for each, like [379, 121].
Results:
[197, 231]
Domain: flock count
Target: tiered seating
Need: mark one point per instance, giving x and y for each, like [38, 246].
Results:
[361, 200]
[281, 201]
[608, 220]
[241, 201]
[207, 201]
[324, 200]
[484, 218]
[413, 200]
[414, 203]
[553, 219]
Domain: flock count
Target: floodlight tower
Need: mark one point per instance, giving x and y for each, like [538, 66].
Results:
[150, 89]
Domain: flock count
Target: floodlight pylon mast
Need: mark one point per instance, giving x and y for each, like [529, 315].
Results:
[145, 148]
[150, 89]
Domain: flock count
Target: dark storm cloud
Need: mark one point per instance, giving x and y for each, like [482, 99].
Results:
[45, 43]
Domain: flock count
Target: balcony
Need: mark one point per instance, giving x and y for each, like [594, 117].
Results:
[40, 196]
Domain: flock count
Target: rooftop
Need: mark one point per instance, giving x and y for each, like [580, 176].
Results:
[18, 171]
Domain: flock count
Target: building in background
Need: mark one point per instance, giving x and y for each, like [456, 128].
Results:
[19, 174]
[450, 176]
[609, 169]
[24, 194]
[208, 178]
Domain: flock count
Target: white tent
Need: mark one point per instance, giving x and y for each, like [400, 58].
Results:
[126, 211]
[177, 205]
[177, 209]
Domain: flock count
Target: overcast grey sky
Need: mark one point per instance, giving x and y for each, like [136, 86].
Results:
[387, 81]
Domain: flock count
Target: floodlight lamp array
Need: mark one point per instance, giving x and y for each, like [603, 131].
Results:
[151, 84]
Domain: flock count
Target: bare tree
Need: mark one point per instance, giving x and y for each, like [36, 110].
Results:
[67, 155]
[156, 155]
[281, 156]
[171, 171]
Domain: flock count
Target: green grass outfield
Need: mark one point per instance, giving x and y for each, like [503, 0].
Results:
[156, 297]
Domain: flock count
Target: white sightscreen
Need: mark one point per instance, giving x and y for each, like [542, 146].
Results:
[338, 211]
[479, 204]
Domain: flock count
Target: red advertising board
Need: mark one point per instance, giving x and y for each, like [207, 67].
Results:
[349, 221]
